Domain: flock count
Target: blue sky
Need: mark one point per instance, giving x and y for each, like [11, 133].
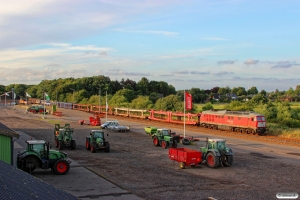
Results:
[196, 43]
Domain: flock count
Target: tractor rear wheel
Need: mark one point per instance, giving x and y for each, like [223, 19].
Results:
[73, 144]
[61, 167]
[174, 144]
[182, 165]
[60, 145]
[186, 141]
[229, 161]
[164, 144]
[107, 147]
[212, 161]
[87, 145]
[93, 148]
[155, 141]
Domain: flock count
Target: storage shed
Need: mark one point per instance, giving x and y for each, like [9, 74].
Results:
[7, 143]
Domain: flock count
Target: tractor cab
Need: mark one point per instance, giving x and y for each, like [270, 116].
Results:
[97, 134]
[163, 132]
[36, 146]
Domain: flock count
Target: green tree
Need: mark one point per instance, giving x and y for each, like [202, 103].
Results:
[169, 103]
[141, 102]
[252, 90]
[208, 106]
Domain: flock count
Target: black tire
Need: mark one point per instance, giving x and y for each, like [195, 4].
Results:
[60, 145]
[73, 144]
[164, 144]
[155, 141]
[186, 141]
[212, 161]
[61, 167]
[56, 142]
[107, 147]
[93, 148]
[87, 145]
[174, 144]
[229, 161]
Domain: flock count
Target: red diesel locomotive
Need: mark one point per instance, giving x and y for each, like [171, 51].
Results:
[238, 121]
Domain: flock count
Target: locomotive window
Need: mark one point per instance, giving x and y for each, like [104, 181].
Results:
[263, 118]
[258, 118]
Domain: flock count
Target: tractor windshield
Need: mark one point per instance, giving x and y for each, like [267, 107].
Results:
[98, 135]
[221, 145]
[165, 132]
[37, 147]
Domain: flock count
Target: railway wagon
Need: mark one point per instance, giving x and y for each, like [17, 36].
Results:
[134, 113]
[238, 121]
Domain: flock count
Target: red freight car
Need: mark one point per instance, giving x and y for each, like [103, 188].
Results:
[244, 122]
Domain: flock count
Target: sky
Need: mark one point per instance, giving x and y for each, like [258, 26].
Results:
[186, 43]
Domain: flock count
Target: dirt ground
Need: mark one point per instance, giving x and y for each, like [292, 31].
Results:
[136, 165]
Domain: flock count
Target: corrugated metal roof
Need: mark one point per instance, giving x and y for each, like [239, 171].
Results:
[4, 130]
[16, 184]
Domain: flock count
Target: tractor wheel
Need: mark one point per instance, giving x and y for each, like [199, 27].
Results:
[212, 161]
[164, 144]
[60, 145]
[107, 147]
[186, 141]
[56, 142]
[229, 161]
[174, 144]
[155, 141]
[61, 167]
[182, 165]
[73, 144]
[87, 145]
[93, 148]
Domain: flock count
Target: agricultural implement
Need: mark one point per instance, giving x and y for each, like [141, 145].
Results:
[96, 141]
[39, 155]
[185, 156]
[63, 137]
[215, 153]
[93, 120]
[164, 138]
[36, 109]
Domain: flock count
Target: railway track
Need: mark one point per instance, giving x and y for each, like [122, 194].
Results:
[266, 138]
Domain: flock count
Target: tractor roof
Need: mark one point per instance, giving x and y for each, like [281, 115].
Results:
[36, 141]
[216, 140]
[97, 131]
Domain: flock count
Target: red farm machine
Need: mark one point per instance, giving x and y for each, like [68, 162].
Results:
[93, 120]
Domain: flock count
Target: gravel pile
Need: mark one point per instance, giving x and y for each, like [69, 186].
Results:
[135, 164]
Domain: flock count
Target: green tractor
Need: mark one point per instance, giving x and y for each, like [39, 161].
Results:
[163, 138]
[63, 137]
[96, 141]
[216, 153]
[39, 155]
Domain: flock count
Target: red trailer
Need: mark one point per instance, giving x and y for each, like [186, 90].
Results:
[93, 120]
[186, 156]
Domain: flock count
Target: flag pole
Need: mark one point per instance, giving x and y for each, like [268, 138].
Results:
[106, 107]
[26, 102]
[44, 105]
[184, 115]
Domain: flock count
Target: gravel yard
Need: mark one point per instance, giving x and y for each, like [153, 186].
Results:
[136, 165]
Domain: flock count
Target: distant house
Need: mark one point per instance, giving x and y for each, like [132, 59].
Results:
[216, 97]
[7, 143]
[232, 96]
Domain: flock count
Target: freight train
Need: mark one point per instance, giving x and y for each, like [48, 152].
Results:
[237, 121]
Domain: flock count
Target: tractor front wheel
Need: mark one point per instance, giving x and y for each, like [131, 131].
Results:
[229, 161]
[164, 144]
[182, 165]
[93, 148]
[87, 145]
[61, 167]
[107, 147]
[60, 145]
[56, 142]
[73, 144]
[174, 144]
[155, 141]
[212, 161]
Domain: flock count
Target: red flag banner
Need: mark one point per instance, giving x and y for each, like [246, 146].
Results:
[188, 101]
